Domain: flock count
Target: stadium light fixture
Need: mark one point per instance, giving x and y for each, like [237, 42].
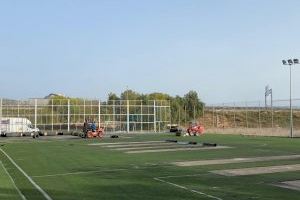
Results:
[291, 62]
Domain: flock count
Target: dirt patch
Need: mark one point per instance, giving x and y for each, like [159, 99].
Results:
[258, 170]
[178, 149]
[293, 185]
[234, 160]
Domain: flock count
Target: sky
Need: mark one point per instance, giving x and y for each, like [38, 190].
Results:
[227, 51]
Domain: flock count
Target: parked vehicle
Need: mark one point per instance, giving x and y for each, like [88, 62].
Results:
[16, 126]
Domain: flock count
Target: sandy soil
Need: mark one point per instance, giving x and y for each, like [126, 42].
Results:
[258, 170]
[234, 160]
[293, 185]
[178, 149]
[283, 132]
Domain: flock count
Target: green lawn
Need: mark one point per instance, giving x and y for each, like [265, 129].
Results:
[7, 189]
[71, 169]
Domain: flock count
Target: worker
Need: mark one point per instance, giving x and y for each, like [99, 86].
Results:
[85, 126]
[93, 126]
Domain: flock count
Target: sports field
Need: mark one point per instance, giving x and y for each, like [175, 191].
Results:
[146, 167]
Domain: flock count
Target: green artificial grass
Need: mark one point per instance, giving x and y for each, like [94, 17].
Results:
[71, 169]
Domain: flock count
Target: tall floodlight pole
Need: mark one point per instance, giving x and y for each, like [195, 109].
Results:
[291, 62]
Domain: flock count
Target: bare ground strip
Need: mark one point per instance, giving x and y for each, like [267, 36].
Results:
[142, 145]
[234, 160]
[293, 185]
[123, 143]
[177, 149]
[157, 146]
[257, 170]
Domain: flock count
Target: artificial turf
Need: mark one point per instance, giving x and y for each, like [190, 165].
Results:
[71, 169]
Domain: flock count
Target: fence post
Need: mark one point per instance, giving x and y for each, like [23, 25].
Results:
[259, 118]
[84, 110]
[170, 112]
[272, 113]
[184, 115]
[194, 113]
[246, 114]
[52, 115]
[18, 108]
[160, 117]
[154, 115]
[234, 117]
[213, 116]
[99, 113]
[35, 113]
[141, 116]
[68, 115]
[179, 121]
[128, 116]
[223, 115]
[203, 122]
[114, 116]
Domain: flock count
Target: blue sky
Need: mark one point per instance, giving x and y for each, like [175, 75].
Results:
[225, 50]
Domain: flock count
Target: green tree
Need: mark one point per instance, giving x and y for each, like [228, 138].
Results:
[113, 96]
[130, 95]
[194, 106]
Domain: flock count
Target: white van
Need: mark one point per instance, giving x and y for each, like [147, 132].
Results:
[16, 126]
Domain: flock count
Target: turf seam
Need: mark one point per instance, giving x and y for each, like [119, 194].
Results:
[179, 176]
[13, 182]
[76, 173]
[26, 175]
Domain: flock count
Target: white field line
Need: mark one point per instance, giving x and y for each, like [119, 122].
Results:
[13, 182]
[233, 160]
[122, 143]
[258, 170]
[77, 173]
[177, 149]
[26, 175]
[185, 188]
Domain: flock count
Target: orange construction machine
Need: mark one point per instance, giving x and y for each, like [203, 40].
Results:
[90, 130]
[195, 129]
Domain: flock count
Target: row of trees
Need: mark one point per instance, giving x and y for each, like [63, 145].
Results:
[183, 109]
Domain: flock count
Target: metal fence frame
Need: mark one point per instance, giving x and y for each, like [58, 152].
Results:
[69, 114]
